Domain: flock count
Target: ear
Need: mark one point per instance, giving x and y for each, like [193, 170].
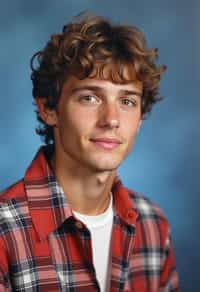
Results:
[48, 116]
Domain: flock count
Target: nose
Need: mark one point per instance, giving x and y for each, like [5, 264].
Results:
[109, 116]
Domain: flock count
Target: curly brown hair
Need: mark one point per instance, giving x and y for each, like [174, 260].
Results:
[85, 42]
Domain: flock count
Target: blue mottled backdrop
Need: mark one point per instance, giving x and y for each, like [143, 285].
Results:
[165, 162]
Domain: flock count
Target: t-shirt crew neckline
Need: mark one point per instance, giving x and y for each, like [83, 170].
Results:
[96, 221]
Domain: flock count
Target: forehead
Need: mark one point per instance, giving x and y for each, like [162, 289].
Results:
[107, 77]
[74, 84]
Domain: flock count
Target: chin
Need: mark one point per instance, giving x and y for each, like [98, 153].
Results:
[106, 166]
[104, 162]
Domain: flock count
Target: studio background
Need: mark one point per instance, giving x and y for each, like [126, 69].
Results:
[164, 164]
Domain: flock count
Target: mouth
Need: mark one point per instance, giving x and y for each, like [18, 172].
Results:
[106, 143]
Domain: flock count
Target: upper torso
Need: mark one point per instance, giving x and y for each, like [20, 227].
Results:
[43, 247]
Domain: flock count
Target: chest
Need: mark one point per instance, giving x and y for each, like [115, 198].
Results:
[65, 260]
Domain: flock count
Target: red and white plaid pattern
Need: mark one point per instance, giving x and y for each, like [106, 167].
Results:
[44, 248]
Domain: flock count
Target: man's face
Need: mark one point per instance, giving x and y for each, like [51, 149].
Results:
[96, 123]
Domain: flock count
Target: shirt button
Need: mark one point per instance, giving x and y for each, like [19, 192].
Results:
[79, 225]
[130, 215]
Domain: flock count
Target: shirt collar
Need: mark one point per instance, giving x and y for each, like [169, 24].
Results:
[48, 204]
[123, 204]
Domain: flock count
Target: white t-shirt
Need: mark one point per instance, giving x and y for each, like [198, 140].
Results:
[100, 227]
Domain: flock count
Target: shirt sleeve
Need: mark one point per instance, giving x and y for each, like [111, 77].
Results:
[4, 275]
[169, 277]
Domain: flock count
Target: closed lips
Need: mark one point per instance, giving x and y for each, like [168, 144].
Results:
[106, 143]
[106, 140]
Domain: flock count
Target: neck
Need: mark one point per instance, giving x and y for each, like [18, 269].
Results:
[87, 193]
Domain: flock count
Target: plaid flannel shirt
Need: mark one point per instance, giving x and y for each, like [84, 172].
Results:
[44, 248]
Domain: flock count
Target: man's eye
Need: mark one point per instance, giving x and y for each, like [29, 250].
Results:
[128, 102]
[89, 99]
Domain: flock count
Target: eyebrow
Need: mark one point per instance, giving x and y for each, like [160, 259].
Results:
[100, 89]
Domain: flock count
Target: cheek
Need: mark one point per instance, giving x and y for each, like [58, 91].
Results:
[130, 129]
[76, 123]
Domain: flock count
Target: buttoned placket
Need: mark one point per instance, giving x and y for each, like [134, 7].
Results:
[126, 248]
[87, 248]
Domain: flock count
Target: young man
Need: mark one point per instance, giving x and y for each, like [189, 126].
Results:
[70, 224]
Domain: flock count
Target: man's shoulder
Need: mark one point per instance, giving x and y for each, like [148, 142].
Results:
[14, 191]
[13, 208]
[146, 208]
[151, 224]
